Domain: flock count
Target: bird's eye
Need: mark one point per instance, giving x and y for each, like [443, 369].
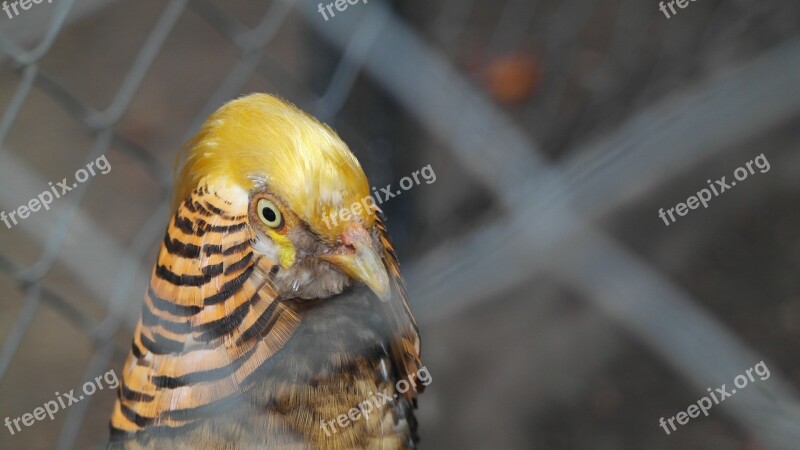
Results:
[269, 214]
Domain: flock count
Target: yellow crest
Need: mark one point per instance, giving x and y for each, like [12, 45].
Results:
[261, 138]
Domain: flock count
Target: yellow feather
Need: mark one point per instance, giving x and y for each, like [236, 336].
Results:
[304, 162]
[287, 252]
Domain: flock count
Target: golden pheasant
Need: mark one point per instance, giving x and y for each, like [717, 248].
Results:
[266, 324]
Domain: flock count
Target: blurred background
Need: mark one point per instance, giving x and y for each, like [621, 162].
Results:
[557, 310]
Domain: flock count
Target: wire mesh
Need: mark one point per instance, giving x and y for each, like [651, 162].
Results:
[595, 67]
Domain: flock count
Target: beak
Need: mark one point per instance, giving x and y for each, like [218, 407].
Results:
[364, 264]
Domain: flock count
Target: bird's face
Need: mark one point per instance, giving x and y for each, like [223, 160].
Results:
[311, 265]
[289, 175]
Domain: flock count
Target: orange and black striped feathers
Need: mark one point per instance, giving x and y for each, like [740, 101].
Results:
[209, 319]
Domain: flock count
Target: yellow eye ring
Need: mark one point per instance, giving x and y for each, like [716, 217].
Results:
[269, 213]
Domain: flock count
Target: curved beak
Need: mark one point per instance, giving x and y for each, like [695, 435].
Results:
[364, 262]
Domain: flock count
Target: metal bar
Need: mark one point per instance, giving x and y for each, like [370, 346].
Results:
[12, 342]
[25, 58]
[141, 65]
[17, 101]
[667, 320]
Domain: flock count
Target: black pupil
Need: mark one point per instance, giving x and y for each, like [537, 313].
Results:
[269, 214]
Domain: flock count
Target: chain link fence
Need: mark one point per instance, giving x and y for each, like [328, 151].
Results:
[557, 130]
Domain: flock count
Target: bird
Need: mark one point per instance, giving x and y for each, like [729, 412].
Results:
[273, 318]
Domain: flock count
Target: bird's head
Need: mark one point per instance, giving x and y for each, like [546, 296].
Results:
[296, 183]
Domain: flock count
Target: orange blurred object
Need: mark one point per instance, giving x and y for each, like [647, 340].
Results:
[511, 78]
